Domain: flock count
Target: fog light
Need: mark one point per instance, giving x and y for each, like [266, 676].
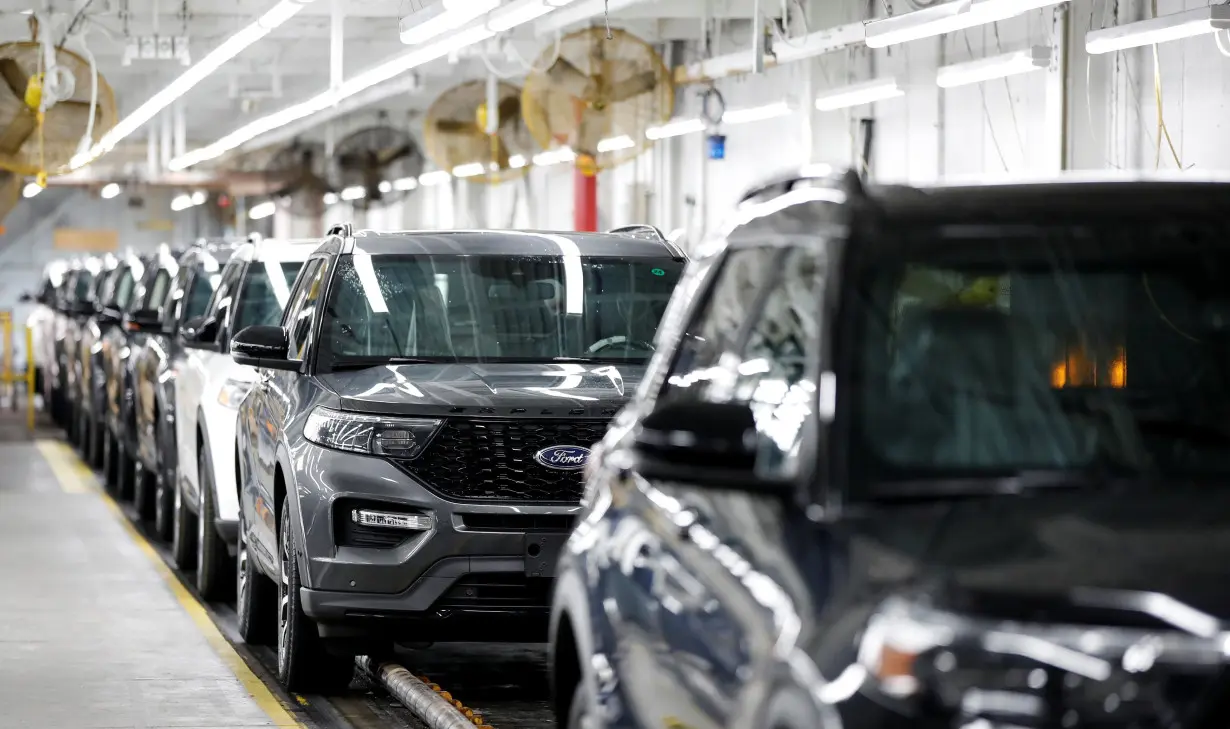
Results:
[413, 522]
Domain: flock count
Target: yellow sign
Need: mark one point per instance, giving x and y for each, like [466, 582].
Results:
[85, 239]
[158, 224]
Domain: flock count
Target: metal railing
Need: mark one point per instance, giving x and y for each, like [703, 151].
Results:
[12, 382]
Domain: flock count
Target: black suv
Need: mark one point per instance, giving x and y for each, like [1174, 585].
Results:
[949, 457]
[410, 460]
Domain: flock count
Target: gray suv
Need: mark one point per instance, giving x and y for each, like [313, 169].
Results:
[410, 459]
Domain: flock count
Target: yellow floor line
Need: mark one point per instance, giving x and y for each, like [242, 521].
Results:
[69, 472]
[72, 475]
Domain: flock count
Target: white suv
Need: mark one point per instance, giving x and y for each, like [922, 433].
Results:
[252, 290]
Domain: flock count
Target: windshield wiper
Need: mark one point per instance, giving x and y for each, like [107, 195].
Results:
[362, 363]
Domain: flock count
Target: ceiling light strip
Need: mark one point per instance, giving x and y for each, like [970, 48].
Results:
[231, 47]
[859, 94]
[995, 67]
[325, 99]
[945, 18]
[1176, 26]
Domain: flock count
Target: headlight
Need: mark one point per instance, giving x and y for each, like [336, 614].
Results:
[377, 435]
[233, 392]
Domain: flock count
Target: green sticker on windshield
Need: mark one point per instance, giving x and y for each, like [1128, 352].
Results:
[658, 272]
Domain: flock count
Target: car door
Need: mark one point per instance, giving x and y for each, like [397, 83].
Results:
[643, 584]
[271, 399]
[730, 580]
[200, 359]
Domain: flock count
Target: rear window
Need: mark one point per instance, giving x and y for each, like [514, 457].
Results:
[1060, 350]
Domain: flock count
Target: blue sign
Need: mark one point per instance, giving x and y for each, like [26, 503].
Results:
[563, 457]
[717, 146]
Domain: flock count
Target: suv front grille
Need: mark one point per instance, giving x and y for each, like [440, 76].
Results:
[493, 460]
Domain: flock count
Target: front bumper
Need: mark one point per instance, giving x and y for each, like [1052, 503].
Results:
[473, 570]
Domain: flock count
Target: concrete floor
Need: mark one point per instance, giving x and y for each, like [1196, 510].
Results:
[94, 631]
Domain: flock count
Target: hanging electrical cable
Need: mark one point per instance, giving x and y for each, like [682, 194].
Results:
[1162, 131]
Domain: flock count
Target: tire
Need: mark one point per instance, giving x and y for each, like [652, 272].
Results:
[143, 490]
[111, 467]
[183, 533]
[98, 436]
[214, 578]
[578, 710]
[125, 473]
[255, 598]
[303, 663]
[164, 508]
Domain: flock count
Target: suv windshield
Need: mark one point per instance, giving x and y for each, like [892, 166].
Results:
[266, 289]
[1082, 350]
[484, 308]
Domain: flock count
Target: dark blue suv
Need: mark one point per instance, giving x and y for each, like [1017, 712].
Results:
[953, 457]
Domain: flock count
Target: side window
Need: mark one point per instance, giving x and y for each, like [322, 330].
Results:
[156, 295]
[222, 304]
[776, 371]
[175, 304]
[200, 293]
[716, 324]
[298, 319]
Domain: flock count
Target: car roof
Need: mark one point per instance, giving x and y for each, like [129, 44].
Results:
[512, 243]
[275, 249]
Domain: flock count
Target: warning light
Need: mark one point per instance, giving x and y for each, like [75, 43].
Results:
[658, 272]
[224, 200]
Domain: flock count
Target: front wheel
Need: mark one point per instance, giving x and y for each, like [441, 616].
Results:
[183, 533]
[578, 711]
[254, 596]
[111, 464]
[303, 663]
[212, 558]
[142, 489]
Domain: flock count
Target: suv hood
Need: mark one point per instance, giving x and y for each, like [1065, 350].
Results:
[487, 389]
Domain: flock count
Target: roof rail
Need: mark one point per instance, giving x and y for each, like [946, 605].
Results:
[648, 232]
[816, 175]
[346, 230]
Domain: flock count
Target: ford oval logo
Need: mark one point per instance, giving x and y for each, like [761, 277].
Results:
[563, 457]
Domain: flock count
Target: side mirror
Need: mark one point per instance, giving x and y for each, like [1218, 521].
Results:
[705, 444]
[262, 346]
[107, 315]
[81, 308]
[143, 320]
[199, 330]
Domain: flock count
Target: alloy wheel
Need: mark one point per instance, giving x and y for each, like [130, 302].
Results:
[241, 577]
[284, 603]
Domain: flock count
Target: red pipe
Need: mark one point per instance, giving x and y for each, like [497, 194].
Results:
[585, 201]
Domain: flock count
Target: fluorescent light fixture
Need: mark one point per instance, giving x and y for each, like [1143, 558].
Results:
[517, 161]
[229, 48]
[405, 183]
[1187, 24]
[945, 18]
[471, 170]
[554, 156]
[109, 191]
[331, 198]
[516, 13]
[31, 189]
[199, 197]
[385, 187]
[444, 16]
[858, 94]
[263, 210]
[614, 144]
[325, 99]
[427, 179]
[756, 113]
[675, 129]
[353, 193]
[181, 202]
[985, 69]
